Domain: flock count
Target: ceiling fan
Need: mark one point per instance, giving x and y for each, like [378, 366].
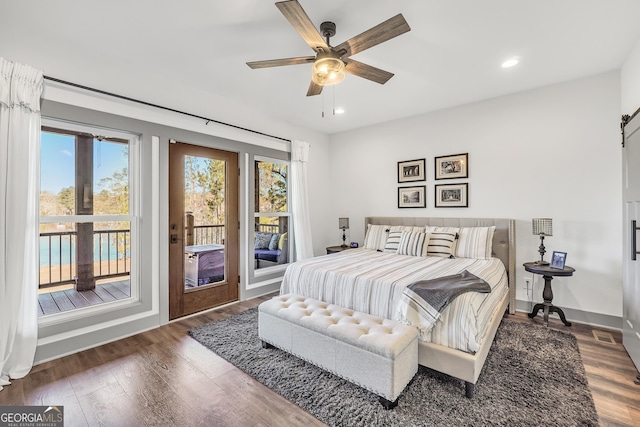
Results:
[330, 63]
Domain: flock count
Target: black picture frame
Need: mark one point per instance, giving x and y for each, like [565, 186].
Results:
[412, 171]
[558, 260]
[453, 166]
[452, 195]
[412, 197]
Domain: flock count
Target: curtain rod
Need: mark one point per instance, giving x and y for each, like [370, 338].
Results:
[115, 95]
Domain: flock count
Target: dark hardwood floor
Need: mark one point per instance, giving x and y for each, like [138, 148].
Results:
[164, 378]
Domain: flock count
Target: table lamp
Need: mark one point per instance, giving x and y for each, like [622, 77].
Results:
[343, 224]
[542, 227]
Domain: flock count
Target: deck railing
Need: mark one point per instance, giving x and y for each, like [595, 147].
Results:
[208, 234]
[58, 248]
[112, 259]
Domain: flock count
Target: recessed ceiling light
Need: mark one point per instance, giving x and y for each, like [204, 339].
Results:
[339, 111]
[510, 63]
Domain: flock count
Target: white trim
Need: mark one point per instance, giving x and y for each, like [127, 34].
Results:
[264, 283]
[85, 218]
[93, 328]
[155, 223]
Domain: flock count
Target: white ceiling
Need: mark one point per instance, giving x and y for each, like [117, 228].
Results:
[164, 51]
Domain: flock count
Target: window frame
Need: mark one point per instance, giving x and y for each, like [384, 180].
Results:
[266, 271]
[133, 217]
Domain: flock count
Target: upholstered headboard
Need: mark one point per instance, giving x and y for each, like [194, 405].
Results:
[504, 239]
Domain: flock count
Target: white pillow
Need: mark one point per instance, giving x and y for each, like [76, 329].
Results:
[393, 241]
[415, 229]
[376, 237]
[442, 242]
[414, 244]
[475, 242]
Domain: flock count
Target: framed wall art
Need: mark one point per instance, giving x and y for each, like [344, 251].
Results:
[411, 171]
[452, 196]
[412, 197]
[453, 166]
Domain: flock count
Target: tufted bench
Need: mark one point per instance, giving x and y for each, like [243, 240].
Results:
[377, 354]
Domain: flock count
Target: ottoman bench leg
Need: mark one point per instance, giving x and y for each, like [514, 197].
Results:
[387, 404]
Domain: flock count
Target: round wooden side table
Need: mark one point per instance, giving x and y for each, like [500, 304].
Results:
[547, 294]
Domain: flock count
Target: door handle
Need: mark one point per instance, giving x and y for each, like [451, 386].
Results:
[634, 240]
[173, 238]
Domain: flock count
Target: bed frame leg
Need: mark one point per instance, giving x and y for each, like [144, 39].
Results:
[387, 404]
[468, 389]
[266, 345]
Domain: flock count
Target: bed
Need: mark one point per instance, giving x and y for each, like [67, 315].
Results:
[373, 280]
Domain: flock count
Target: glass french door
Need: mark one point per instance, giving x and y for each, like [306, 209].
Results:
[203, 228]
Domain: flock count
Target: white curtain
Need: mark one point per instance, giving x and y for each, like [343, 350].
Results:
[300, 199]
[20, 92]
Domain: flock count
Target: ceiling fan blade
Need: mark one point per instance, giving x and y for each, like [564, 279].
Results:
[314, 89]
[280, 62]
[367, 72]
[297, 17]
[387, 30]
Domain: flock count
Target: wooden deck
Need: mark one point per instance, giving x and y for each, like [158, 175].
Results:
[70, 299]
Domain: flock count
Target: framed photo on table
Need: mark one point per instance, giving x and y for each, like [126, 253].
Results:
[411, 171]
[558, 260]
[412, 197]
[453, 166]
[452, 196]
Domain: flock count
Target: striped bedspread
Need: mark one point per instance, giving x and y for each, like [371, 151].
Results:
[372, 282]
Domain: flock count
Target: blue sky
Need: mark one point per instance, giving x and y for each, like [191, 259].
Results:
[57, 161]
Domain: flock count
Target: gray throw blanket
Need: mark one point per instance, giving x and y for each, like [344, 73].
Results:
[429, 298]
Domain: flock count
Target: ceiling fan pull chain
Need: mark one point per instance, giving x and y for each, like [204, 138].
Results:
[333, 92]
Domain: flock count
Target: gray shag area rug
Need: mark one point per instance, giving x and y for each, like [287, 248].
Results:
[532, 376]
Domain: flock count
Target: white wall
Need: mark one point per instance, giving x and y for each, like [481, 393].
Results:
[550, 152]
[630, 81]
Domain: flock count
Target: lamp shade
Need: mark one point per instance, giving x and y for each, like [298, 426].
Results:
[542, 226]
[328, 69]
[343, 223]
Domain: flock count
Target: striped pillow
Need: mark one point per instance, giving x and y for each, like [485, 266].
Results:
[393, 241]
[475, 242]
[414, 244]
[415, 229]
[376, 237]
[442, 244]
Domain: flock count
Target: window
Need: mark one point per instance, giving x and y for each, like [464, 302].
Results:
[87, 217]
[272, 217]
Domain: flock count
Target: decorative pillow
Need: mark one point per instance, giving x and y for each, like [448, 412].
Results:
[263, 240]
[414, 244]
[393, 241]
[273, 243]
[442, 243]
[282, 240]
[376, 237]
[475, 242]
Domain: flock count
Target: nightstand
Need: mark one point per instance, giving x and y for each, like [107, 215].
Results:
[336, 249]
[547, 294]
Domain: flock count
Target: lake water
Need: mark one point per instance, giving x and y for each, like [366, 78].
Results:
[65, 250]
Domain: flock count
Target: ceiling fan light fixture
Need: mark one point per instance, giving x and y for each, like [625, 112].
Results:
[328, 69]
